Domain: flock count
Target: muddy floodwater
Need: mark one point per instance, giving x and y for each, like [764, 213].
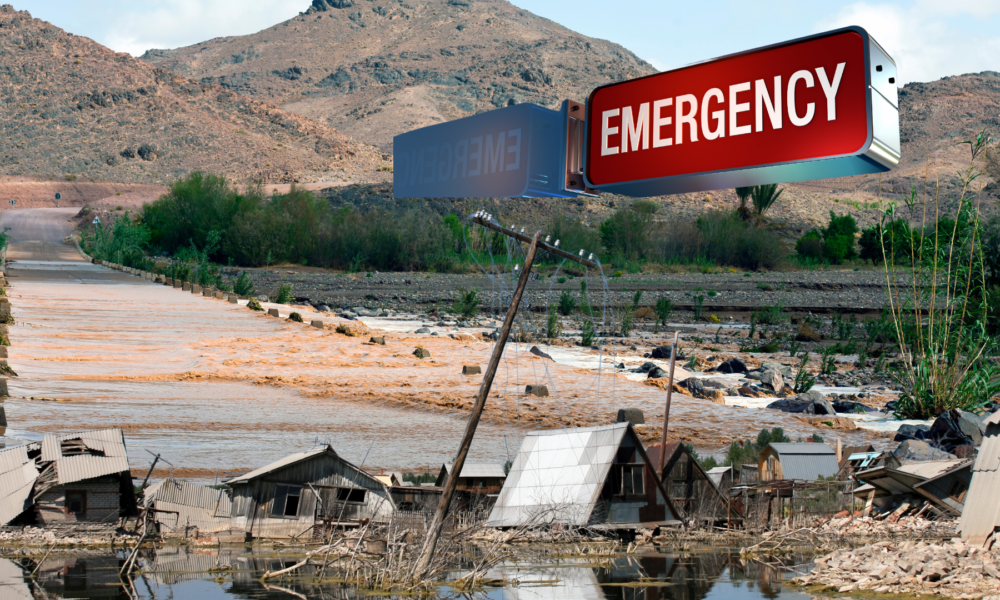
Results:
[112, 350]
[184, 573]
[213, 386]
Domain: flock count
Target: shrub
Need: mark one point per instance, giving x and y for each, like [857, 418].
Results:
[664, 308]
[764, 196]
[567, 303]
[769, 315]
[243, 285]
[254, 305]
[345, 330]
[730, 241]
[897, 237]
[573, 235]
[467, 304]
[627, 231]
[838, 238]
[552, 327]
[284, 295]
[295, 317]
[588, 334]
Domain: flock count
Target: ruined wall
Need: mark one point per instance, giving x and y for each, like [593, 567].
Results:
[101, 502]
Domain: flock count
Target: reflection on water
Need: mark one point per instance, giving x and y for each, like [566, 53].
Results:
[228, 573]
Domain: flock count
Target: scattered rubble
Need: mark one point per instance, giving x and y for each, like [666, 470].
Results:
[952, 569]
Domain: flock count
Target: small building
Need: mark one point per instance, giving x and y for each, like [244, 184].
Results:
[416, 498]
[476, 478]
[797, 461]
[692, 492]
[589, 476]
[84, 477]
[722, 477]
[981, 516]
[74, 478]
[289, 497]
[186, 509]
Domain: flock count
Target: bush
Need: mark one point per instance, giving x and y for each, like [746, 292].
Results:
[254, 305]
[899, 242]
[243, 285]
[626, 233]
[567, 303]
[730, 241]
[573, 235]
[838, 238]
[295, 317]
[810, 245]
[284, 295]
[664, 308]
[467, 304]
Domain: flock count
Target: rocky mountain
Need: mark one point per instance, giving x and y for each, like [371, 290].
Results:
[376, 68]
[71, 108]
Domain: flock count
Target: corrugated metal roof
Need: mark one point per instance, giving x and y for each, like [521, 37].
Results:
[802, 448]
[280, 464]
[17, 477]
[479, 470]
[808, 467]
[12, 583]
[79, 467]
[931, 468]
[192, 494]
[982, 511]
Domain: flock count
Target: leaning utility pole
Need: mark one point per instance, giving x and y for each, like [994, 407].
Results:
[434, 530]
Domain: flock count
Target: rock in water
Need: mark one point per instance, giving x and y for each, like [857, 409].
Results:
[663, 353]
[421, 353]
[733, 365]
[773, 380]
[809, 403]
[534, 350]
[537, 390]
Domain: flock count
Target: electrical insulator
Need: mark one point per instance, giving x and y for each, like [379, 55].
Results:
[556, 244]
[547, 238]
[581, 253]
[522, 231]
[591, 257]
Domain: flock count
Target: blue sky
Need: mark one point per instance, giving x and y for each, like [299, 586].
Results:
[928, 39]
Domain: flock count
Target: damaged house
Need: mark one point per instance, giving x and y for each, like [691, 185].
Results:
[693, 493]
[942, 482]
[74, 478]
[477, 486]
[589, 476]
[289, 497]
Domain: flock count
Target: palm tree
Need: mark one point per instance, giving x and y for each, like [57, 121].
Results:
[743, 193]
[763, 196]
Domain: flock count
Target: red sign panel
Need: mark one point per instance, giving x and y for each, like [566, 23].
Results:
[795, 102]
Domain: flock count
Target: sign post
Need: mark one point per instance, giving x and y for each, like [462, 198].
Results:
[818, 107]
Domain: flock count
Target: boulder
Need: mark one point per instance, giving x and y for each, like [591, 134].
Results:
[847, 406]
[421, 353]
[958, 428]
[773, 380]
[630, 415]
[912, 432]
[422, 330]
[273, 312]
[317, 324]
[645, 368]
[537, 390]
[471, 370]
[663, 353]
[694, 385]
[810, 403]
[716, 384]
[733, 365]
[377, 340]
[785, 370]
[350, 316]
[911, 451]
[534, 350]
[658, 373]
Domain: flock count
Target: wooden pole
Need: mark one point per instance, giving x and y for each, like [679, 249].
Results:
[434, 531]
[666, 410]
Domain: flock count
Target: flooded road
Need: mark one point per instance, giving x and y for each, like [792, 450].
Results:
[214, 386]
[184, 573]
[118, 351]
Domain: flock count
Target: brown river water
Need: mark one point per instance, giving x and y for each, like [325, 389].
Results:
[213, 386]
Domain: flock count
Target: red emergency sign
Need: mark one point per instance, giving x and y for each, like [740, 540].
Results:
[781, 113]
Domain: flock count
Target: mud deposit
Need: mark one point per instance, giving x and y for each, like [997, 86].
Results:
[184, 573]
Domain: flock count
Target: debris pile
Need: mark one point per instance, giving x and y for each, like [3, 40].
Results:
[889, 527]
[952, 569]
[83, 534]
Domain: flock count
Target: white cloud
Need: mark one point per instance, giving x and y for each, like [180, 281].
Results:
[175, 23]
[925, 43]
